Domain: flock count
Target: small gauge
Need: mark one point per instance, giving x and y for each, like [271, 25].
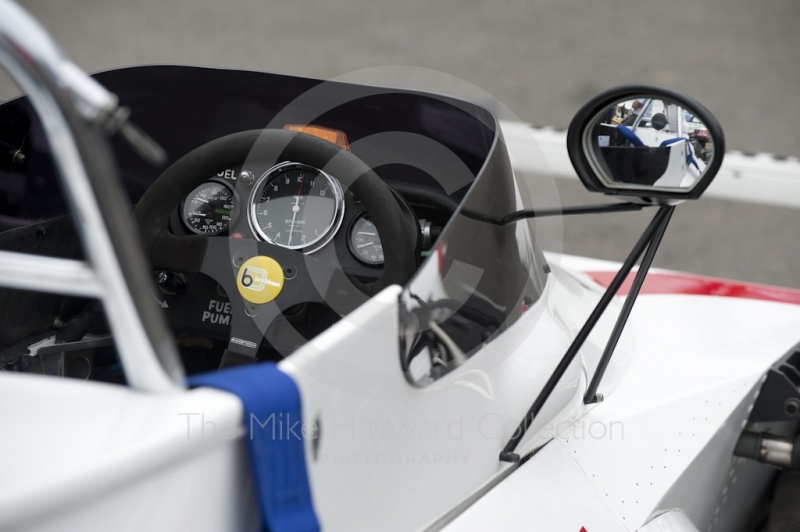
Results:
[209, 208]
[364, 241]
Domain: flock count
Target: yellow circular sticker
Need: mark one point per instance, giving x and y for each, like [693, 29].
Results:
[260, 279]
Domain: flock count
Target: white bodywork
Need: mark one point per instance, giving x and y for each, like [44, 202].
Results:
[392, 456]
[679, 425]
[102, 457]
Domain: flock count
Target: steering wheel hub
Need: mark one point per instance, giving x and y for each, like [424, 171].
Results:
[260, 279]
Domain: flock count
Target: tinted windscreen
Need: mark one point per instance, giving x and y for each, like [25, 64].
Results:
[185, 107]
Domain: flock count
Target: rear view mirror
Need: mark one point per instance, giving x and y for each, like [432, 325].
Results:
[646, 142]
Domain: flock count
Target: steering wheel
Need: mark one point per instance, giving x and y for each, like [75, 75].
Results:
[304, 278]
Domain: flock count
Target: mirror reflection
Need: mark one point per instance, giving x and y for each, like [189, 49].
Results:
[649, 143]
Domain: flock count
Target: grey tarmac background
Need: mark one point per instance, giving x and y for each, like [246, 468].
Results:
[541, 58]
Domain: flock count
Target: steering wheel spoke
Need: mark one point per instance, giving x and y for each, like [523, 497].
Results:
[248, 331]
[302, 279]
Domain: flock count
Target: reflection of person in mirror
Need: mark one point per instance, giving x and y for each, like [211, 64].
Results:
[700, 140]
[636, 110]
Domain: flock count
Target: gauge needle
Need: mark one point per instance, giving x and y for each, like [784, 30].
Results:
[364, 245]
[296, 208]
[363, 233]
[201, 199]
[198, 214]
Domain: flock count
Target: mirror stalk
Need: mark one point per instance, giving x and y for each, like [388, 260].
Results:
[591, 392]
[653, 232]
[553, 211]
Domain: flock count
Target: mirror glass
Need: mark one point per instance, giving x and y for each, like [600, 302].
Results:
[648, 143]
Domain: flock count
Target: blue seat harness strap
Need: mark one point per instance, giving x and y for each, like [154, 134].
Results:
[630, 136]
[273, 420]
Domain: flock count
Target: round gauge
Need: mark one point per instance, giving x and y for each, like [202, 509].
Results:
[209, 208]
[365, 242]
[297, 206]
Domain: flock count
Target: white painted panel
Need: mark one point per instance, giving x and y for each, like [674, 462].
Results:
[395, 457]
[672, 521]
[90, 456]
[548, 493]
[209, 492]
[718, 491]
[678, 392]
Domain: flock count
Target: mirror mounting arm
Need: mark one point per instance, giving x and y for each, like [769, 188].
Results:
[591, 392]
[553, 211]
[650, 240]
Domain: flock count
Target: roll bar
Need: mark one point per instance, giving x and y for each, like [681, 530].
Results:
[77, 115]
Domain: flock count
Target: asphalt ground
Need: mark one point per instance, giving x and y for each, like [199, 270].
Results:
[541, 58]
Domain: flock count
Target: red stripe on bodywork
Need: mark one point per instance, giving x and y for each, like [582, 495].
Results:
[681, 283]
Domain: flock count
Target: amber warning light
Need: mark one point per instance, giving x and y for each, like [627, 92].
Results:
[331, 135]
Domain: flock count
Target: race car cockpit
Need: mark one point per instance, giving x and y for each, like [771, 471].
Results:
[285, 203]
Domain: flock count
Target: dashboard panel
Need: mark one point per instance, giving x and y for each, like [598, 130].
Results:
[306, 213]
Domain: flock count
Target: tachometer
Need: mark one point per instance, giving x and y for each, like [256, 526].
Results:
[297, 207]
[209, 208]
